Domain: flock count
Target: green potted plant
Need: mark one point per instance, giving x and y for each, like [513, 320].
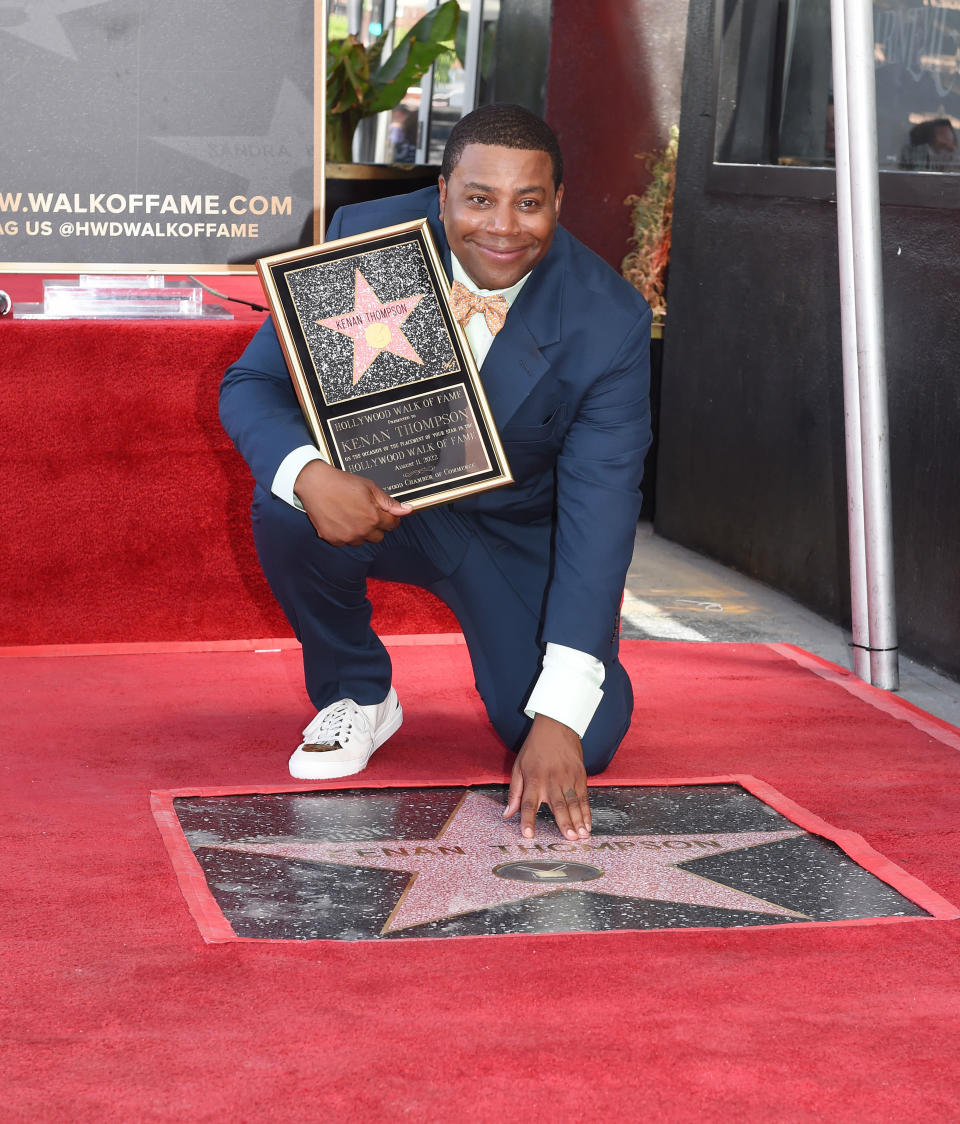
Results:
[361, 83]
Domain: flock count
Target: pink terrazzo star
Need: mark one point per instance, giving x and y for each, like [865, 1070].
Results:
[455, 872]
[374, 326]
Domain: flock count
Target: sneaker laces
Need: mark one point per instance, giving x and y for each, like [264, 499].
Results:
[333, 725]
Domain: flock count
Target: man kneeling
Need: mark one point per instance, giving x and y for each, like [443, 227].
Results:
[534, 571]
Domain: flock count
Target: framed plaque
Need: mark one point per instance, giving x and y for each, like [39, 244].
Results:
[384, 374]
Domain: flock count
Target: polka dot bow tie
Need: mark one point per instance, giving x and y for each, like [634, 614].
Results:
[465, 303]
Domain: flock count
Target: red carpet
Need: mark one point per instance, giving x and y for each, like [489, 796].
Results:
[130, 518]
[118, 1011]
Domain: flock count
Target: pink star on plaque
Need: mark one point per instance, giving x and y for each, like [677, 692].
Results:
[478, 861]
[374, 326]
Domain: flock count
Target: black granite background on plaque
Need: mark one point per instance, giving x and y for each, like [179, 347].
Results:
[327, 289]
[266, 896]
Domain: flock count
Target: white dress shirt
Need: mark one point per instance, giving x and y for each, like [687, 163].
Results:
[568, 688]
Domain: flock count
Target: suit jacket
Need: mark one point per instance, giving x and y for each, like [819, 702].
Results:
[567, 379]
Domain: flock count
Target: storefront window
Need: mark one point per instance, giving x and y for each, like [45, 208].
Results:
[473, 74]
[775, 84]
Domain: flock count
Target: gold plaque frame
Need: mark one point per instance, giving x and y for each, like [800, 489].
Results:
[383, 372]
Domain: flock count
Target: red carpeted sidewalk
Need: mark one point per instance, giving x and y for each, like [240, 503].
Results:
[130, 516]
[116, 1010]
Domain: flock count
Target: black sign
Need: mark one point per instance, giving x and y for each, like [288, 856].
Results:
[155, 134]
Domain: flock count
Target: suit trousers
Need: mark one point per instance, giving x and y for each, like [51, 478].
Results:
[322, 590]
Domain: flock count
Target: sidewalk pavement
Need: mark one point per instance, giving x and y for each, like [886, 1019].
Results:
[675, 594]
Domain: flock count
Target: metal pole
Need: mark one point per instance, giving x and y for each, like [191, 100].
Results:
[424, 119]
[320, 121]
[851, 376]
[868, 286]
[471, 65]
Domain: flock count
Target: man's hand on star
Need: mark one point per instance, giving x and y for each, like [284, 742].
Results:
[345, 509]
[549, 770]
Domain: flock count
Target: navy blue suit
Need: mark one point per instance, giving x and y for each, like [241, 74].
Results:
[541, 560]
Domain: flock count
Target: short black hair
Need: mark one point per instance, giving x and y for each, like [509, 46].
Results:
[509, 126]
[926, 131]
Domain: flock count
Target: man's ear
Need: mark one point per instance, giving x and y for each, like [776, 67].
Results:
[558, 200]
[442, 187]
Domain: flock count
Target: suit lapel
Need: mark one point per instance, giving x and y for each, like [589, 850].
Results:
[515, 363]
[440, 235]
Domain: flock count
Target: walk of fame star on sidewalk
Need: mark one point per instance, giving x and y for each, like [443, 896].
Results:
[455, 872]
[374, 326]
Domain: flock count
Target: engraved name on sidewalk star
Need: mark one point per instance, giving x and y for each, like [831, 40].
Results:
[476, 862]
[374, 326]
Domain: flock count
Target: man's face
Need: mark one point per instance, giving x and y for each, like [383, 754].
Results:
[944, 139]
[499, 210]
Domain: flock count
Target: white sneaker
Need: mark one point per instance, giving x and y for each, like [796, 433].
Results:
[343, 737]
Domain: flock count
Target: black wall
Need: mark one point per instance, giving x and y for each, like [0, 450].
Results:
[751, 463]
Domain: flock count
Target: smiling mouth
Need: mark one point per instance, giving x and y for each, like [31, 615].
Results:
[501, 251]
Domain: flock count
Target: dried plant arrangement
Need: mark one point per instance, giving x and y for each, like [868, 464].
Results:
[651, 215]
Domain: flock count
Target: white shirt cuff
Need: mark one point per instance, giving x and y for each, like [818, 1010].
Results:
[568, 689]
[290, 468]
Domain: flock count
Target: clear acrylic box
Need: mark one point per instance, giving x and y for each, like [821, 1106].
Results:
[135, 297]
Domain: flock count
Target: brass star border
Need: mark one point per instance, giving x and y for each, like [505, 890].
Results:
[401, 863]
